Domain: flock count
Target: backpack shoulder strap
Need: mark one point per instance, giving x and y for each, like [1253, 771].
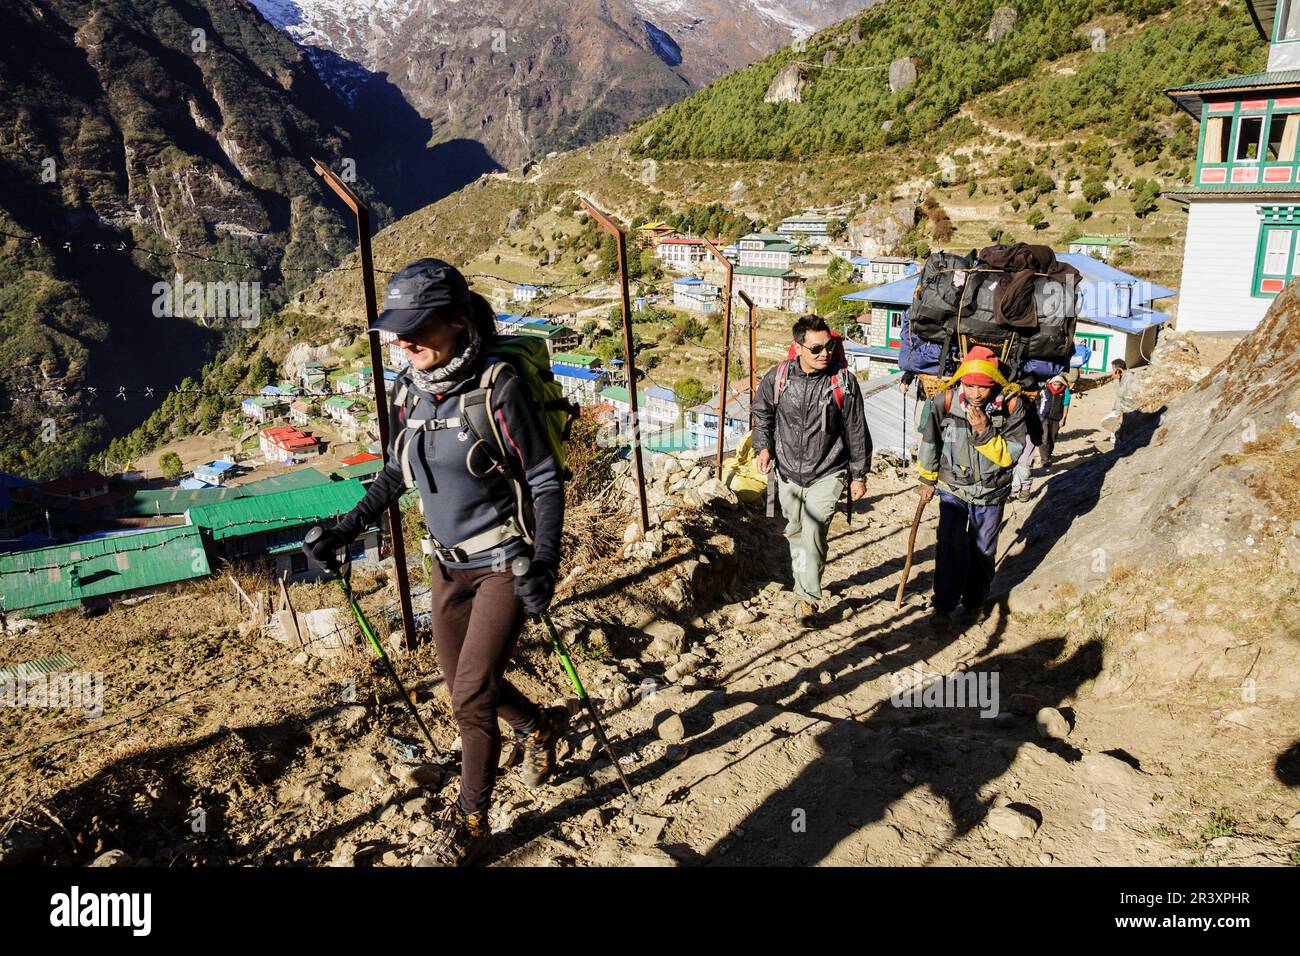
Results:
[476, 412]
[947, 400]
[782, 377]
[838, 384]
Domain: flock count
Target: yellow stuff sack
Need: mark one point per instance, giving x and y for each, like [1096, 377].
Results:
[740, 472]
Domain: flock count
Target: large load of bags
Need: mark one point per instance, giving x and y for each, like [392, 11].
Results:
[1018, 300]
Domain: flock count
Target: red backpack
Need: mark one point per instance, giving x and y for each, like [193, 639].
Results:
[839, 367]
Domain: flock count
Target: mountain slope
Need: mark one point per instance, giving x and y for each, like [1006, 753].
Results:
[523, 79]
[127, 131]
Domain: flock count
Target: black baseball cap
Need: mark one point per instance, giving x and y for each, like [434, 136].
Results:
[416, 291]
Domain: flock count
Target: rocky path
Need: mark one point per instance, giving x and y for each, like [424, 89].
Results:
[799, 746]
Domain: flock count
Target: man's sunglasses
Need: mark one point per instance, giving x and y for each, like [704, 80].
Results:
[817, 349]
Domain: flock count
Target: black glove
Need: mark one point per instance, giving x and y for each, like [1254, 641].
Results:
[536, 586]
[324, 550]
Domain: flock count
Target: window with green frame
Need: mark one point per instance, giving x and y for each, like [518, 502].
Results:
[894, 329]
[1277, 253]
[1099, 361]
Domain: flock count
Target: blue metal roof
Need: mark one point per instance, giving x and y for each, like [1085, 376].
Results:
[688, 280]
[193, 484]
[658, 391]
[860, 261]
[1096, 271]
[898, 292]
[1139, 320]
[575, 371]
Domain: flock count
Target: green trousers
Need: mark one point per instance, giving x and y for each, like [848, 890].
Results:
[808, 512]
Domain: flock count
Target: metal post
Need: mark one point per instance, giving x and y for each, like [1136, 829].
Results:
[753, 355]
[362, 212]
[630, 364]
[726, 350]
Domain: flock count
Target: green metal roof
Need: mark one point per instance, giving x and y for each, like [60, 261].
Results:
[111, 565]
[285, 509]
[176, 501]
[763, 271]
[1281, 193]
[1101, 241]
[764, 237]
[289, 481]
[543, 329]
[341, 401]
[363, 470]
[584, 359]
[1249, 81]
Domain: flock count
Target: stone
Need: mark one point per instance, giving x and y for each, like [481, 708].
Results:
[742, 617]
[417, 775]
[1045, 859]
[632, 532]
[419, 807]
[1108, 770]
[113, 858]
[1052, 724]
[1003, 22]
[1012, 822]
[649, 828]
[902, 73]
[1294, 823]
[669, 727]
[668, 634]
[360, 771]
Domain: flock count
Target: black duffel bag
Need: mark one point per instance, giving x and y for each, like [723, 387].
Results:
[934, 305]
[1056, 304]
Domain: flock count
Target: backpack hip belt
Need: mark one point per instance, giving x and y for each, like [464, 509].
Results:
[459, 553]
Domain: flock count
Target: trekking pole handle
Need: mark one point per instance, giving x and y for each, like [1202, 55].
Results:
[314, 535]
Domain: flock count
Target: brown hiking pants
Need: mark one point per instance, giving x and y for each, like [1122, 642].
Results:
[476, 619]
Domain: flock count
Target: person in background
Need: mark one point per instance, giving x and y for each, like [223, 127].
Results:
[1125, 401]
[1044, 420]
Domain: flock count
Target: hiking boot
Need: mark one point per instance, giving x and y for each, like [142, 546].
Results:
[804, 611]
[539, 746]
[1025, 494]
[941, 622]
[463, 838]
[972, 616]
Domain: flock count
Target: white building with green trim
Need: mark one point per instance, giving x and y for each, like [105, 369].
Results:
[1243, 206]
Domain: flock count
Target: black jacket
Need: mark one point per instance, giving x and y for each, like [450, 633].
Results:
[792, 428]
[458, 505]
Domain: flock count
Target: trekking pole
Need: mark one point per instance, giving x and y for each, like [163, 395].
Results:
[586, 701]
[911, 547]
[332, 564]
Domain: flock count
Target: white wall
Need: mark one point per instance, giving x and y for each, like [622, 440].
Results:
[1218, 268]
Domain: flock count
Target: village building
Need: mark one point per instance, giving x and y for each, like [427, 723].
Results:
[215, 472]
[1243, 204]
[1104, 248]
[581, 384]
[288, 445]
[526, 292]
[358, 381]
[696, 294]
[300, 412]
[267, 530]
[815, 230]
[877, 270]
[263, 408]
[559, 338]
[766, 250]
[313, 376]
[19, 518]
[652, 232]
[702, 422]
[90, 574]
[661, 408]
[773, 288]
[682, 254]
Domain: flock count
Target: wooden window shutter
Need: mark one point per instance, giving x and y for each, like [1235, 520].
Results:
[1214, 140]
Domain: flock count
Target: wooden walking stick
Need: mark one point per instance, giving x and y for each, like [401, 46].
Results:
[911, 546]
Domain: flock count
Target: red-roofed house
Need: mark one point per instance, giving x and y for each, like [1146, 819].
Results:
[288, 444]
[361, 459]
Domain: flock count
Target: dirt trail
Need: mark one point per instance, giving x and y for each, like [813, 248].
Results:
[749, 740]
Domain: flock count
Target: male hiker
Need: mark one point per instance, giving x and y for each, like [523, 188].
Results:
[972, 438]
[809, 423]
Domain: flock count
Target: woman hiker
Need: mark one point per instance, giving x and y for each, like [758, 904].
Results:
[480, 538]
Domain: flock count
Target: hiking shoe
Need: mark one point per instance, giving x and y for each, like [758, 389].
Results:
[463, 838]
[941, 621]
[972, 616]
[1025, 494]
[539, 746]
[804, 611]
